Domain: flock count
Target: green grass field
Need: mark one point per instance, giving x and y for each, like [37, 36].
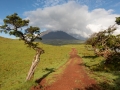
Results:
[16, 58]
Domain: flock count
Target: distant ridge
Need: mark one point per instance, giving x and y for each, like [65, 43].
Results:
[58, 35]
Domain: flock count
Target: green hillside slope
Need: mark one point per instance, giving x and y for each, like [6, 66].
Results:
[16, 58]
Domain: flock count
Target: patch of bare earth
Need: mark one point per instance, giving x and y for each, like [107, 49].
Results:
[74, 77]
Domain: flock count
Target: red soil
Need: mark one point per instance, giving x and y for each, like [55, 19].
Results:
[74, 77]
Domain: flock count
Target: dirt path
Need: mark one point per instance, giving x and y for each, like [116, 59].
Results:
[74, 77]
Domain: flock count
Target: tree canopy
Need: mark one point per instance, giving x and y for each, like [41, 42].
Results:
[117, 20]
[105, 40]
[105, 43]
[14, 25]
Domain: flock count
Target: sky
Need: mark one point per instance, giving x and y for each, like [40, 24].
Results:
[76, 17]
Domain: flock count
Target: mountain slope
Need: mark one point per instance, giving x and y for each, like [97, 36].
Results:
[58, 35]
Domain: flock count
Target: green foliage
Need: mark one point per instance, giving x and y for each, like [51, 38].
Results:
[118, 20]
[106, 75]
[106, 71]
[103, 39]
[91, 40]
[33, 30]
[13, 25]
[105, 42]
[16, 21]
[114, 60]
[107, 45]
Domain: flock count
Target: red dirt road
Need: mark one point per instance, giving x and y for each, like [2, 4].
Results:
[74, 77]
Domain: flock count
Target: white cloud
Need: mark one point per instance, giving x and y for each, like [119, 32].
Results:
[72, 18]
[47, 3]
[51, 2]
[36, 4]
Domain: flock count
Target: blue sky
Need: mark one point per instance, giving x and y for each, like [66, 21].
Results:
[76, 17]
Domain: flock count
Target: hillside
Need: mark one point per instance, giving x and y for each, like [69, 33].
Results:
[16, 58]
[58, 35]
[58, 38]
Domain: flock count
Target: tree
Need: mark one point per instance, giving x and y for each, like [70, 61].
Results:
[106, 44]
[14, 25]
[117, 20]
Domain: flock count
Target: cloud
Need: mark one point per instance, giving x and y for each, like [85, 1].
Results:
[48, 3]
[52, 2]
[36, 4]
[72, 18]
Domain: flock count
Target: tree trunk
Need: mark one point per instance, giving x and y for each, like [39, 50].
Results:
[35, 62]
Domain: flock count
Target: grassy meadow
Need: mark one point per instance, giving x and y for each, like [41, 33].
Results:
[16, 58]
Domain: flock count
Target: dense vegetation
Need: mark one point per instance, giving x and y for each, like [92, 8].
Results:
[106, 44]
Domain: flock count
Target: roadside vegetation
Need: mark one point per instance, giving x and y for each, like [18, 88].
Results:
[106, 45]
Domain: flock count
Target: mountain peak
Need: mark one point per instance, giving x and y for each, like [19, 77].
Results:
[58, 35]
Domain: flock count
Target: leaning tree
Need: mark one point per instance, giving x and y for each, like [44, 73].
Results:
[106, 44]
[14, 25]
